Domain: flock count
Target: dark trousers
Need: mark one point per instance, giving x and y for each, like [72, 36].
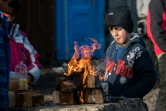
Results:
[161, 100]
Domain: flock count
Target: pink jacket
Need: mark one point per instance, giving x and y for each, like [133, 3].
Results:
[22, 50]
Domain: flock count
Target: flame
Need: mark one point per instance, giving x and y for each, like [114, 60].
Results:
[80, 62]
[81, 99]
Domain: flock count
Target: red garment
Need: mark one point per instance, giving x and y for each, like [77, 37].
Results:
[156, 25]
[22, 50]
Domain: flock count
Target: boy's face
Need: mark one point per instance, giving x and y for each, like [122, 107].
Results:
[119, 34]
[8, 10]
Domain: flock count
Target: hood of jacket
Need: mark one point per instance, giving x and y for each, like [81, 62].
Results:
[135, 39]
[14, 31]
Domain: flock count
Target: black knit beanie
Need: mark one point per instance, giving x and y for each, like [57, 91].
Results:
[120, 16]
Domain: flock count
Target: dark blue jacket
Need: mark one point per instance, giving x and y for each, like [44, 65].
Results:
[133, 75]
[4, 63]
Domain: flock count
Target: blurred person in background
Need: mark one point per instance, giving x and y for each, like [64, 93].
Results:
[4, 60]
[20, 47]
[156, 30]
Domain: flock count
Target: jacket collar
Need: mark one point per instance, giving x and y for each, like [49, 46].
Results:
[14, 30]
[15, 34]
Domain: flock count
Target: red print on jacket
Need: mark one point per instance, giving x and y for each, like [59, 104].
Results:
[121, 69]
[109, 65]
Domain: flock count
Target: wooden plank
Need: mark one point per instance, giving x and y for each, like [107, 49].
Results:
[56, 97]
[77, 78]
[24, 98]
[67, 85]
[93, 96]
[59, 82]
[14, 84]
[92, 81]
[69, 98]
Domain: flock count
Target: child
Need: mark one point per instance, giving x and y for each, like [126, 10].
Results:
[129, 68]
[20, 47]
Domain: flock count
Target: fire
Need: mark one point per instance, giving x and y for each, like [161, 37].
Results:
[80, 62]
[81, 100]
